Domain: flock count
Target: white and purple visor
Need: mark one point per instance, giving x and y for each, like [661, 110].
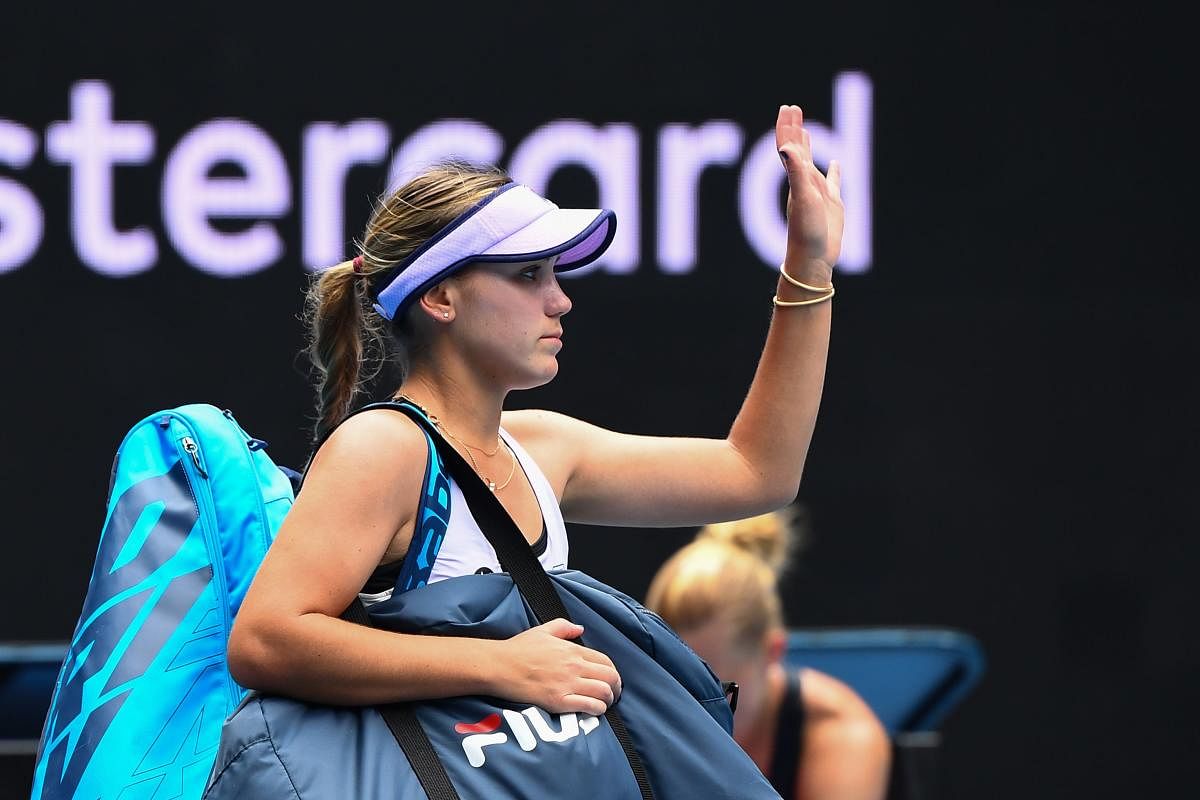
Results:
[512, 224]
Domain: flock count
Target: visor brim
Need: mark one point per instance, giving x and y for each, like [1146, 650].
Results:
[578, 236]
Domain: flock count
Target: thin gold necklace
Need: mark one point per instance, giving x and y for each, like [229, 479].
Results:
[491, 484]
[471, 446]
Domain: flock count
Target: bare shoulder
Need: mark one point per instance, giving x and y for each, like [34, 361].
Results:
[551, 438]
[536, 423]
[379, 448]
[379, 433]
[827, 695]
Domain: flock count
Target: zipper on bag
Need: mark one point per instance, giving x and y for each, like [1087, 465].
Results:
[197, 477]
[193, 449]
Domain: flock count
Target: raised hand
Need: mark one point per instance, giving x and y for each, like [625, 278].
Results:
[543, 667]
[815, 212]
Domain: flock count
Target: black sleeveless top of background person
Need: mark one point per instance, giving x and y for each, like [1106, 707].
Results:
[789, 739]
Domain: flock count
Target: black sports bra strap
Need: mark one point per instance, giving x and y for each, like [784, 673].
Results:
[789, 738]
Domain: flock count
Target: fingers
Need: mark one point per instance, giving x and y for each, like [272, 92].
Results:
[598, 690]
[561, 629]
[561, 676]
[592, 695]
[834, 178]
[588, 686]
[795, 151]
[596, 676]
[595, 684]
[792, 140]
[788, 124]
[579, 703]
[602, 669]
[596, 657]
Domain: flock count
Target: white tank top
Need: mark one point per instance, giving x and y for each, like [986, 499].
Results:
[465, 550]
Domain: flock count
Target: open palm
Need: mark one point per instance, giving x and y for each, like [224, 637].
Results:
[814, 209]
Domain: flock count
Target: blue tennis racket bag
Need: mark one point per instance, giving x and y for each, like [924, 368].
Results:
[194, 502]
[667, 737]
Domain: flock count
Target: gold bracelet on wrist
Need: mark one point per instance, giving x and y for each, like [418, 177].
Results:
[783, 271]
[812, 302]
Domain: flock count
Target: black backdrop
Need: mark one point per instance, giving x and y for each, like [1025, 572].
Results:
[1005, 443]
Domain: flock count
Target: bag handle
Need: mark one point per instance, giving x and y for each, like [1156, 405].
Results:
[518, 560]
[401, 719]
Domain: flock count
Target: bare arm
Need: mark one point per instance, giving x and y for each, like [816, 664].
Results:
[618, 479]
[362, 491]
[846, 750]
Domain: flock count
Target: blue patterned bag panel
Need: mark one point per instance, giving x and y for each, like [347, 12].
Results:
[144, 688]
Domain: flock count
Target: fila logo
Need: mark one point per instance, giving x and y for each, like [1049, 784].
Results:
[523, 725]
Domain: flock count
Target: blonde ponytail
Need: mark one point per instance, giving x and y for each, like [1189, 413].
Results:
[728, 572]
[770, 537]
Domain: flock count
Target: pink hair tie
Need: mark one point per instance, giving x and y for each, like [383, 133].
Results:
[358, 270]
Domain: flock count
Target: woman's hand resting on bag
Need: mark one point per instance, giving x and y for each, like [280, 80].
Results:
[543, 667]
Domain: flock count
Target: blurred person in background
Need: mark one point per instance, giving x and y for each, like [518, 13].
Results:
[811, 735]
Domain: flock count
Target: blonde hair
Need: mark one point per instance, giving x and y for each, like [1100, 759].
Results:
[345, 332]
[730, 571]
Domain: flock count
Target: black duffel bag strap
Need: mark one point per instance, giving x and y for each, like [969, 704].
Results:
[518, 560]
[401, 719]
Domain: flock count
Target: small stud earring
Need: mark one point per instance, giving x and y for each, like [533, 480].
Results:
[445, 315]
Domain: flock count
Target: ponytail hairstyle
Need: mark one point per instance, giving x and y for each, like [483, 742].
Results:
[730, 571]
[348, 340]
